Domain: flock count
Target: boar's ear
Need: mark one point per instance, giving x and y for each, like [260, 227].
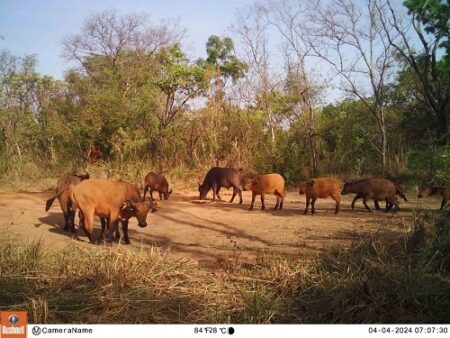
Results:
[311, 182]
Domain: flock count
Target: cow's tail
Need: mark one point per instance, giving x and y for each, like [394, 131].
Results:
[50, 201]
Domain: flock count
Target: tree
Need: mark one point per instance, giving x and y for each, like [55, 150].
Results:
[349, 36]
[428, 20]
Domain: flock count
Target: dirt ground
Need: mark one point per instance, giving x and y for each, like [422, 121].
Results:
[214, 231]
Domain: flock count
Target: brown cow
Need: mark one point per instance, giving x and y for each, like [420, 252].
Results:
[267, 184]
[112, 200]
[322, 187]
[157, 182]
[426, 191]
[63, 198]
[378, 189]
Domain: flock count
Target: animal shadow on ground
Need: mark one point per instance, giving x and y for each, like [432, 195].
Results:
[56, 221]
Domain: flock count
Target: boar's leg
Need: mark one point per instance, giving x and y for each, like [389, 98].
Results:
[253, 201]
[263, 206]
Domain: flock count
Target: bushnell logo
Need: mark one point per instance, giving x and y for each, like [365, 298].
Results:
[13, 324]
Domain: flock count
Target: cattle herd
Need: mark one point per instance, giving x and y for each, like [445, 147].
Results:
[118, 201]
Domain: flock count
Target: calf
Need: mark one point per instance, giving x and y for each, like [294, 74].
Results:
[267, 184]
[378, 189]
[111, 200]
[157, 182]
[63, 197]
[426, 191]
[323, 187]
[217, 178]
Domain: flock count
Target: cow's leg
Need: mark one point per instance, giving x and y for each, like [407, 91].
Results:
[283, 195]
[365, 203]
[125, 239]
[337, 199]
[66, 221]
[313, 202]
[263, 206]
[160, 196]
[88, 223]
[444, 201]
[354, 200]
[217, 193]
[240, 195]
[253, 201]
[151, 194]
[234, 195]
[377, 206]
[277, 202]
[214, 189]
[112, 229]
[307, 205]
[104, 223]
[145, 190]
[72, 222]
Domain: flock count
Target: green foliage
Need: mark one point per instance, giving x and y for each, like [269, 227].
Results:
[220, 56]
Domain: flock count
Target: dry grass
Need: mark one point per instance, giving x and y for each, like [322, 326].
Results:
[376, 280]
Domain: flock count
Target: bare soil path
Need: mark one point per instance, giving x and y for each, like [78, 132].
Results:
[209, 232]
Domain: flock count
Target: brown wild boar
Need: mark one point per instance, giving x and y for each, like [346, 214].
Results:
[157, 182]
[378, 189]
[426, 191]
[217, 178]
[112, 200]
[63, 198]
[322, 187]
[267, 184]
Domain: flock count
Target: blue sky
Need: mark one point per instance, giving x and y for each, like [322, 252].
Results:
[39, 26]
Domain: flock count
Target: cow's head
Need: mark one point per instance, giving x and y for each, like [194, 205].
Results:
[203, 190]
[302, 187]
[167, 194]
[247, 185]
[138, 210]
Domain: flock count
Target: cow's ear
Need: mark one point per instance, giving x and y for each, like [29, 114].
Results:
[199, 185]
